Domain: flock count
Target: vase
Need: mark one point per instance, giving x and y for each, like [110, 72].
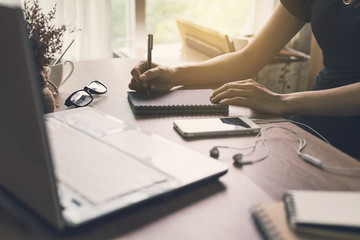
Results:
[47, 91]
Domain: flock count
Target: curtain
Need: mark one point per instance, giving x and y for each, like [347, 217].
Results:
[90, 18]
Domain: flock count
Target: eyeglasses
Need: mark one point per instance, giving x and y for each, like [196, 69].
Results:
[84, 97]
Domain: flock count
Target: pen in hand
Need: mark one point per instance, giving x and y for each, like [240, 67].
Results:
[148, 63]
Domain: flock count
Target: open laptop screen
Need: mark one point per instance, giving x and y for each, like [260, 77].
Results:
[25, 166]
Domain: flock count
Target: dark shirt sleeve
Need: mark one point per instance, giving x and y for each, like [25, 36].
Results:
[299, 8]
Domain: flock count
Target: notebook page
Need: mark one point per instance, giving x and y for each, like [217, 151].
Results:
[326, 207]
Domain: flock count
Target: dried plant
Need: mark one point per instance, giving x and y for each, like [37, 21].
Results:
[47, 38]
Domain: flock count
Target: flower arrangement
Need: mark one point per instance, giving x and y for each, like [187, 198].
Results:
[47, 38]
[48, 41]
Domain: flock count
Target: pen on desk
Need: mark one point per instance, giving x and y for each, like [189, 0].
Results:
[148, 63]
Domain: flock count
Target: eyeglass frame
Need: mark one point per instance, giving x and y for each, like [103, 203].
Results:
[87, 90]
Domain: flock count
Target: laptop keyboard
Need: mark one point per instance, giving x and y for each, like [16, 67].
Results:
[96, 170]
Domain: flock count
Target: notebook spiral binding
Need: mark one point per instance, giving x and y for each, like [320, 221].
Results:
[290, 206]
[191, 101]
[266, 225]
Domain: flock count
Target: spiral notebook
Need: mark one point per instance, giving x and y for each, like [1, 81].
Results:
[194, 102]
[327, 213]
[271, 220]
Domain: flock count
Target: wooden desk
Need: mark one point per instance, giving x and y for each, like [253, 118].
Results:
[215, 210]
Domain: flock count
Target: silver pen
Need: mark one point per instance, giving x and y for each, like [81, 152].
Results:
[148, 63]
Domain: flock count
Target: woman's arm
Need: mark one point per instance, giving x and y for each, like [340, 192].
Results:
[278, 31]
[340, 101]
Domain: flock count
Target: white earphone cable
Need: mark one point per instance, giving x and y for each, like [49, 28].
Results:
[260, 137]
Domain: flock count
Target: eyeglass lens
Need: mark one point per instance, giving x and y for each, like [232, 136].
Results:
[81, 98]
[96, 87]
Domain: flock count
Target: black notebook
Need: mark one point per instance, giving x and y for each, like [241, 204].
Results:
[194, 101]
[324, 213]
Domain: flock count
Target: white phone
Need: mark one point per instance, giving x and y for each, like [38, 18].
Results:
[211, 127]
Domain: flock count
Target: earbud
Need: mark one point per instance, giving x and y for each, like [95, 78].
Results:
[214, 152]
[238, 160]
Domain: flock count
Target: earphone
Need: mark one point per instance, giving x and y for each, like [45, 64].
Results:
[214, 153]
[260, 137]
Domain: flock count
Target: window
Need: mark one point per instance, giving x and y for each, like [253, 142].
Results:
[120, 28]
[233, 17]
[228, 16]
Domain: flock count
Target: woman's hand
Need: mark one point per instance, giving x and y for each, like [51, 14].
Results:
[160, 77]
[249, 93]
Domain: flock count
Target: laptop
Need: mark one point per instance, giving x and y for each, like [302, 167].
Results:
[74, 166]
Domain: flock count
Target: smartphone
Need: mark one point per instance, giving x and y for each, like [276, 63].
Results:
[212, 127]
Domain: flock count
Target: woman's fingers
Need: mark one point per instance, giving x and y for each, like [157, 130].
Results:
[137, 70]
[229, 93]
[233, 89]
[136, 85]
[237, 101]
[160, 77]
[235, 85]
[140, 76]
[250, 94]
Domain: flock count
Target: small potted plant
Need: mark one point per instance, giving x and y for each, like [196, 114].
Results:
[48, 41]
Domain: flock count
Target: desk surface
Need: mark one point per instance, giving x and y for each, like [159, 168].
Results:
[215, 210]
